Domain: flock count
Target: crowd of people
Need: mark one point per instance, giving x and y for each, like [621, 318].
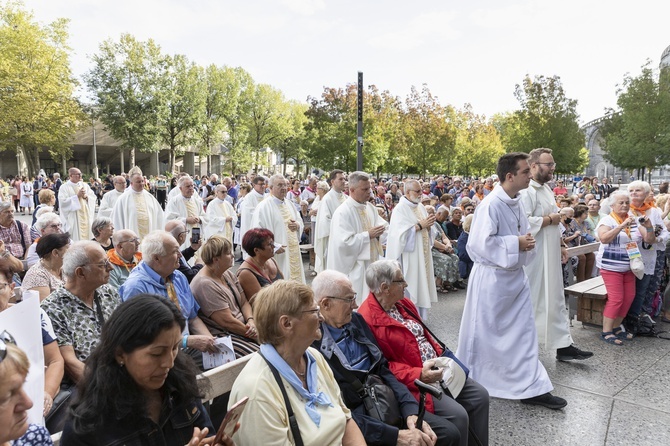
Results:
[137, 282]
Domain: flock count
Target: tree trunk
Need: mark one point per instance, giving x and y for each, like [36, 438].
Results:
[32, 161]
[132, 159]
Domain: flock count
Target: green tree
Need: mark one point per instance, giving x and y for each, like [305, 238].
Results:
[478, 145]
[547, 118]
[291, 145]
[37, 106]
[125, 84]
[268, 120]
[431, 138]
[182, 105]
[636, 136]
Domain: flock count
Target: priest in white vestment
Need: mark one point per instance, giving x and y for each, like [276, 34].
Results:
[77, 206]
[497, 338]
[546, 273]
[221, 217]
[357, 235]
[410, 241]
[331, 201]
[110, 197]
[137, 209]
[248, 207]
[187, 207]
[278, 214]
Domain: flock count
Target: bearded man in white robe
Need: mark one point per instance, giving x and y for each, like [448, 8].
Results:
[357, 236]
[410, 240]
[331, 201]
[278, 214]
[110, 197]
[497, 338]
[137, 209]
[77, 206]
[186, 207]
[546, 273]
[221, 217]
[248, 206]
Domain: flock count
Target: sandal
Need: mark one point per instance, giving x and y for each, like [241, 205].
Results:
[611, 338]
[623, 334]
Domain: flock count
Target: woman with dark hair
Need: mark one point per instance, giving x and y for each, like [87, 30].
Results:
[223, 305]
[45, 276]
[259, 269]
[139, 388]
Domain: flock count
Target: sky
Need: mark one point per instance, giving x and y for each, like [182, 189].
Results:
[472, 51]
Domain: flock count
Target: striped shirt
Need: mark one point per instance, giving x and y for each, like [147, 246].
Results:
[613, 256]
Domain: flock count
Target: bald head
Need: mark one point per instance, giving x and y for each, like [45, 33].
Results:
[175, 227]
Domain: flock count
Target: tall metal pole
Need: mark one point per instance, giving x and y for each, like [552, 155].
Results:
[359, 126]
[95, 152]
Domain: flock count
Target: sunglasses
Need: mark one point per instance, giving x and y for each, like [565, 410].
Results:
[5, 338]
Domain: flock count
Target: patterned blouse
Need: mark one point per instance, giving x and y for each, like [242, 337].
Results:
[35, 436]
[426, 349]
[75, 323]
[38, 276]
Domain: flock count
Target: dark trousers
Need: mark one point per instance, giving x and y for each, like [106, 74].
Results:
[469, 412]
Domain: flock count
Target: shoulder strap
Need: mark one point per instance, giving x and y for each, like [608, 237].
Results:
[418, 319]
[23, 237]
[348, 375]
[293, 423]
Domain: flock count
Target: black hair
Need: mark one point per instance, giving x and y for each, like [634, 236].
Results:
[48, 243]
[107, 391]
[509, 163]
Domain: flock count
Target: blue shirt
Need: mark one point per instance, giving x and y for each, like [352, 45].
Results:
[143, 279]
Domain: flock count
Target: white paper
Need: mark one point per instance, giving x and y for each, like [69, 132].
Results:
[22, 321]
[223, 356]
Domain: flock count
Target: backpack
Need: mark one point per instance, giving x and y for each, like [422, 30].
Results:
[639, 326]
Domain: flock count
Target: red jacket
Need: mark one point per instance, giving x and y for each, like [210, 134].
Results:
[397, 343]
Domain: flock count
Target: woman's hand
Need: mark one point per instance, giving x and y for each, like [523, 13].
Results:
[430, 376]
[198, 436]
[251, 329]
[48, 403]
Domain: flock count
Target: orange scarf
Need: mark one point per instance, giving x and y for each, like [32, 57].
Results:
[480, 196]
[619, 221]
[642, 209]
[115, 259]
[488, 187]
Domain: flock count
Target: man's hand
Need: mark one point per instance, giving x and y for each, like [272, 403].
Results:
[82, 193]
[192, 220]
[427, 223]
[196, 246]
[430, 376]
[376, 231]
[526, 242]
[411, 424]
[293, 226]
[414, 437]
[203, 343]
[555, 218]
[564, 255]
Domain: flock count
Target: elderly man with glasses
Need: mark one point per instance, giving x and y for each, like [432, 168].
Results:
[351, 350]
[124, 256]
[80, 308]
[137, 209]
[179, 232]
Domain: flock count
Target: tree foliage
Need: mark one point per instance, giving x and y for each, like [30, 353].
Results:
[37, 106]
[478, 144]
[637, 135]
[547, 118]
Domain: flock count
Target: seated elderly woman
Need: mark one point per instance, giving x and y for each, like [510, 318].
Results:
[223, 305]
[353, 353]
[46, 197]
[103, 229]
[259, 269]
[411, 351]
[139, 387]
[46, 276]
[465, 263]
[288, 322]
[445, 260]
[15, 403]
[47, 223]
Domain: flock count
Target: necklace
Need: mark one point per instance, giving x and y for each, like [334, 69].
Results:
[518, 217]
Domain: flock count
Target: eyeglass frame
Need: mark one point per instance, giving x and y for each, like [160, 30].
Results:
[546, 164]
[316, 310]
[135, 240]
[106, 264]
[350, 301]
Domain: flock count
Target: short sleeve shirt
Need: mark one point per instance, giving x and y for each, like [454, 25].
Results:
[39, 276]
[75, 323]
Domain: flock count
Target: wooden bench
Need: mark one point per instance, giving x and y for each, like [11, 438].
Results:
[221, 380]
[591, 296]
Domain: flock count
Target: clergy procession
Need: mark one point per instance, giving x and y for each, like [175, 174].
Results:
[379, 254]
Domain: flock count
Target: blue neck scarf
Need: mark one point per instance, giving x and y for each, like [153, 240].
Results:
[311, 397]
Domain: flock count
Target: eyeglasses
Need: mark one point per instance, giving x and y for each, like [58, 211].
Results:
[399, 281]
[56, 226]
[105, 264]
[316, 310]
[5, 338]
[349, 300]
[134, 240]
[548, 164]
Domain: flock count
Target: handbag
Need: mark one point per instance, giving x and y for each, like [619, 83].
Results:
[378, 399]
[12, 191]
[55, 419]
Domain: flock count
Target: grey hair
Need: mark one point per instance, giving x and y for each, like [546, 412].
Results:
[357, 177]
[120, 235]
[566, 209]
[43, 210]
[76, 256]
[328, 282]
[617, 193]
[4, 205]
[322, 185]
[274, 178]
[183, 179]
[380, 272]
[99, 224]
[45, 220]
[638, 183]
[412, 181]
[153, 245]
